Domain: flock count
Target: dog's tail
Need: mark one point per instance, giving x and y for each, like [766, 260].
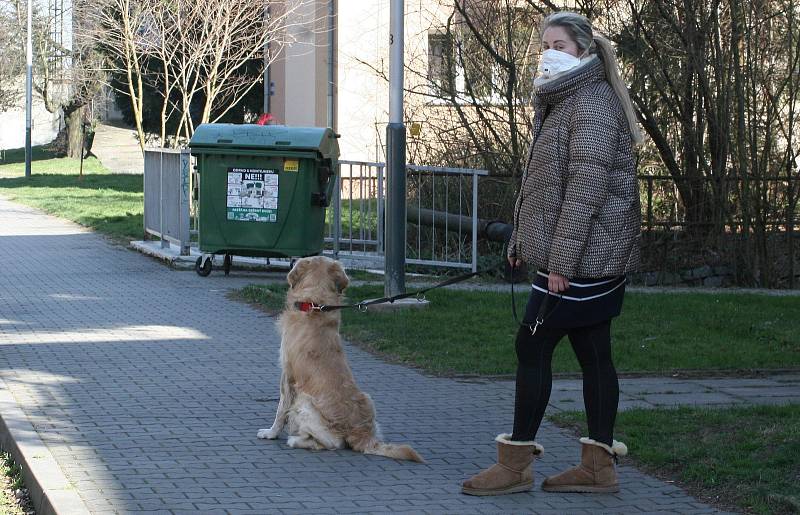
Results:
[390, 450]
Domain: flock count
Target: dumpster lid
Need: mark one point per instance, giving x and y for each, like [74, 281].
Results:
[266, 137]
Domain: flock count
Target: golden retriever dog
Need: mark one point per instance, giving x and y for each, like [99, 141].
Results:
[320, 404]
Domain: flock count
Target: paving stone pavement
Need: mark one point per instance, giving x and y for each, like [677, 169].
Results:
[148, 385]
[118, 149]
[665, 392]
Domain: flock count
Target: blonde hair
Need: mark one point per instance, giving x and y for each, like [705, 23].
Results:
[580, 29]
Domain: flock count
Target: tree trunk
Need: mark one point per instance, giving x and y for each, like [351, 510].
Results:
[73, 119]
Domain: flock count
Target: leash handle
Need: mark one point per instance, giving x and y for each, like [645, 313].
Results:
[543, 313]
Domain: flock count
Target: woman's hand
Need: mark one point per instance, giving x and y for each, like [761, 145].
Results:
[514, 261]
[557, 283]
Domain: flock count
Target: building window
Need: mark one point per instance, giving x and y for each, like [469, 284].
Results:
[441, 64]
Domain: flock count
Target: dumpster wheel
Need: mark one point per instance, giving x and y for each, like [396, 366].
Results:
[226, 263]
[203, 268]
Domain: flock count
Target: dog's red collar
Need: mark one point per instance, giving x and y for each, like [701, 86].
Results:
[307, 306]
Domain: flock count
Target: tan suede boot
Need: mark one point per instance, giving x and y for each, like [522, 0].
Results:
[512, 473]
[596, 472]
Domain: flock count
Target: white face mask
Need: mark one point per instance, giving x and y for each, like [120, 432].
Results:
[554, 62]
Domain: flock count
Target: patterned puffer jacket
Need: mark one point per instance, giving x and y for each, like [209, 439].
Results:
[578, 211]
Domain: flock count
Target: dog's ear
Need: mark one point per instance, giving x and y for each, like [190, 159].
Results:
[340, 278]
[297, 272]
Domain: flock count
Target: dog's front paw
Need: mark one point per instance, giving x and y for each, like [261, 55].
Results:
[269, 434]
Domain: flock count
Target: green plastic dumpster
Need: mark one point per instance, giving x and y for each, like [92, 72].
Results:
[263, 190]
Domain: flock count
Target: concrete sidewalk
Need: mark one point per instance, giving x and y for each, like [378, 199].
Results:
[118, 149]
[130, 387]
[665, 392]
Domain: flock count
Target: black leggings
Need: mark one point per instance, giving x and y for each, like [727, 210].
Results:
[592, 346]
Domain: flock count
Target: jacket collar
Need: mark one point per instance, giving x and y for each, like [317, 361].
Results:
[559, 88]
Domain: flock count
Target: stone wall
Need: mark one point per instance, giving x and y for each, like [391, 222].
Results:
[709, 276]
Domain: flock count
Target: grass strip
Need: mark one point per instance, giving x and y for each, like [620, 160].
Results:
[472, 332]
[747, 457]
[108, 203]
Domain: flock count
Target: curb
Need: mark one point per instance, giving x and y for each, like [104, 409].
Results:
[49, 489]
[171, 255]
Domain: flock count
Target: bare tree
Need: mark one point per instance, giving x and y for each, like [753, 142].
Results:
[208, 52]
[118, 28]
[471, 86]
[715, 83]
[12, 64]
[163, 46]
[64, 75]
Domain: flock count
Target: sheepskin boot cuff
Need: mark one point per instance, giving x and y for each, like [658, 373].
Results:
[505, 438]
[616, 449]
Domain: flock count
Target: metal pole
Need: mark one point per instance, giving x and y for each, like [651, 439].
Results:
[267, 58]
[331, 58]
[28, 94]
[396, 160]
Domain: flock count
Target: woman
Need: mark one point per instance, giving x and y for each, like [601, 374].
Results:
[577, 220]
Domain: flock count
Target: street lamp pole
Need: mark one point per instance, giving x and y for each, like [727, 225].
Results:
[395, 259]
[28, 95]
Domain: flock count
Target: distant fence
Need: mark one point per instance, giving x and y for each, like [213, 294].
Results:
[167, 196]
[746, 226]
[778, 206]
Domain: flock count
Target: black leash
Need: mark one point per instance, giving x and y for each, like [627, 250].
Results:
[543, 313]
[364, 304]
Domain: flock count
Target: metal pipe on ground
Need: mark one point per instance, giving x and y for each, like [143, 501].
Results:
[491, 230]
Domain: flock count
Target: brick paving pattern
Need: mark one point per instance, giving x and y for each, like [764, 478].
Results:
[148, 386]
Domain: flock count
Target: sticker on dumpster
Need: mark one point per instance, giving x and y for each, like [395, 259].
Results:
[291, 165]
[252, 195]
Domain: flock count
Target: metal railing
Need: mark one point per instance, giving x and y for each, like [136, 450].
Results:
[446, 220]
[358, 205]
[442, 210]
[167, 196]
[778, 209]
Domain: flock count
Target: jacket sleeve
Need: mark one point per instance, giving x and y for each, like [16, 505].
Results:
[512, 250]
[594, 135]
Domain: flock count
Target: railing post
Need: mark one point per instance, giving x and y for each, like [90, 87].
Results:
[649, 205]
[381, 227]
[474, 222]
[790, 228]
[337, 213]
[164, 242]
[185, 192]
[144, 199]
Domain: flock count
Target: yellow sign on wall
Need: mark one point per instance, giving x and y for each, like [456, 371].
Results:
[291, 165]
